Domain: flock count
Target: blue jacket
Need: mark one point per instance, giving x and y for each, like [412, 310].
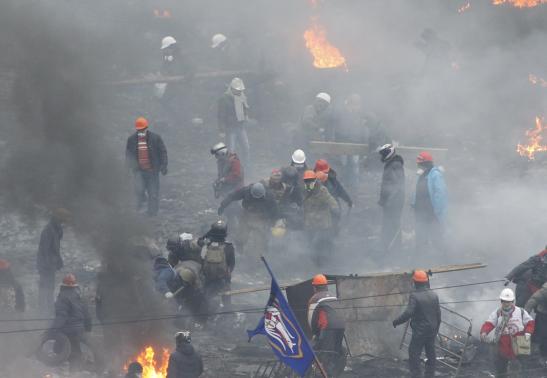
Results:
[164, 275]
[437, 193]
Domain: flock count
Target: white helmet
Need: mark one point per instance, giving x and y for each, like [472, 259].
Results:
[237, 84]
[186, 236]
[299, 157]
[324, 96]
[219, 148]
[217, 40]
[386, 151]
[167, 41]
[507, 295]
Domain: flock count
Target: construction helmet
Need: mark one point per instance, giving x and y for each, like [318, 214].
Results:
[298, 157]
[322, 176]
[423, 157]
[278, 231]
[309, 175]
[258, 191]
[167, 41]
[187, 274]
[183, 337]
[69, 280]
[217, 40]
[141, 123]
[219, 148]
[386, 151]
[507, 295]
[186, 236]
[62, 215]
[4, 264]
[420, 276]
[324, 96]
[322, 165]
[319, 279]
[237, 84]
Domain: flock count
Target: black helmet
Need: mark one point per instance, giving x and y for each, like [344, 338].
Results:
[219, 230]
[386, 151]
[183, 337]
[173, 242]
[134, 368]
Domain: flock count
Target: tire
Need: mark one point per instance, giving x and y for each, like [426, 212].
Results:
[54, 349]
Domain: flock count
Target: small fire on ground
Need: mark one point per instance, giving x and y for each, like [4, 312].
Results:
[520, 3]
[325, 55]
[537, 80]
[153, 362]
[535, 139]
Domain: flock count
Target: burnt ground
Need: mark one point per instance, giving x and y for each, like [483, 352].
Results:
[187, 204]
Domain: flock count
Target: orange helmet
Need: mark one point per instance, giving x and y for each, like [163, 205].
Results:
[423, 157]
[4, 264]
[141, 123]
[69, 280]
[319, 279]
[420, 276]
[309, 175]
[322, 165]
[322, 176]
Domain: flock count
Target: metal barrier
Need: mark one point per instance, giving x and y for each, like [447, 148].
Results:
[453, 341]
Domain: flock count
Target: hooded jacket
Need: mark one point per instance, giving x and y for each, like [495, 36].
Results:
[71, 313]
[49, 250]
[423, 311]
[156, 151]
[538, 301]
[184, 362]
[537, 264]
[438, 196]
[392, 191]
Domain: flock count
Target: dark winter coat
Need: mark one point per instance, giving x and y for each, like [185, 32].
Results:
[336, 189]
[184, 362]
[227, 118]
[49, 251]
[164, 275]
[71, 313]
[265, 207]
[392, 192]
[537, 264]
[424, 313]
[156, 151]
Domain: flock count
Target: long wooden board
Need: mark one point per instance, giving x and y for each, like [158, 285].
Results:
[173, 79]
[335, 148]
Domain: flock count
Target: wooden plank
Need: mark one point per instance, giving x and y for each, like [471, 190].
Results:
[173, 79]
[335, 148]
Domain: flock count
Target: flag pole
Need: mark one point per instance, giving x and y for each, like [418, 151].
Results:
[315, 358]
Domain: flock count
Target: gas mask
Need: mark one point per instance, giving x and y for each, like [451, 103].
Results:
[506, 306]
[310, 185]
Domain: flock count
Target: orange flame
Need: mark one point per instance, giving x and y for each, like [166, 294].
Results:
[162, 13]
[463, 8]
[534, 141]
[152, 366]
[520, 3]
[537, 80]
[324, 54]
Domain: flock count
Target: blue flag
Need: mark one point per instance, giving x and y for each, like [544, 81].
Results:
[284, 334]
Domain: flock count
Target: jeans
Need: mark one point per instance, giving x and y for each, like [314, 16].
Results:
[414, 352]
[238, 136]
[46, 290]
[351, 169]
[147, 186]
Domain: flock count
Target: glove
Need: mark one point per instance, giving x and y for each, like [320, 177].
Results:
[394, 324]
[527, 336]
[483, 337]
[507, 282]
[168, 295]
[164, 171]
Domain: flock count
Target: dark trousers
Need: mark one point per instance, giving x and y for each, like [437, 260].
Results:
[417, 344]
[391, 229]
[75, 358]
[147, 186]
[540, 333]
[321, 244]
[429, 232]
[46, 290]
[330, 351]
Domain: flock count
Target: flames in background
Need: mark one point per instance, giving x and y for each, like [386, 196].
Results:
[153, 364]
[537, 80]
[520, 3]
[535, 139]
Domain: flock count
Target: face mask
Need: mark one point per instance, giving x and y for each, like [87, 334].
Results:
[420, 171]
[310, 186]
[296, 165]
[506, 306]
[169, 58]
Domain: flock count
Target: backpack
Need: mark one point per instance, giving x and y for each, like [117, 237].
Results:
[214, 261]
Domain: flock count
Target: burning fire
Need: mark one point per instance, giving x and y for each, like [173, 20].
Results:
[520, 3]
[537, 80]
[162, 13]
[324, 54]
[534, 141]
[463, 8]
[153, 367]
